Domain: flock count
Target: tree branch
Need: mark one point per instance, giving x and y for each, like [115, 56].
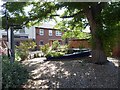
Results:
[74, 15]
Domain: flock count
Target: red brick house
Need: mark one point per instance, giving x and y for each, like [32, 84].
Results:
[47, 35]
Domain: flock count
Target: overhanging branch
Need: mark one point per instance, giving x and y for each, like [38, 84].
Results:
[71, 16]
[74, 15]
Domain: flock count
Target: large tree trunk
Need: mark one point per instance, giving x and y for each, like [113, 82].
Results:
[98, 54]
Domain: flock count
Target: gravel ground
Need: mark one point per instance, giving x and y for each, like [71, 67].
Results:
[71, 74]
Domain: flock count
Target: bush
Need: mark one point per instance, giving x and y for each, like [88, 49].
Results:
[64, 48]
[13, 75]
[23, 50]
[45, 48]
[55, 45]
[20, 55]
[54, 54]
[17, 56]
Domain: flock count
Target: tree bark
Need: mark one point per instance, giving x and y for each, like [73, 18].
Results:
[98, 54]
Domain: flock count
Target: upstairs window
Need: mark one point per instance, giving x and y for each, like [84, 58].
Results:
[50, 32]
[41, 31]
[58, 33]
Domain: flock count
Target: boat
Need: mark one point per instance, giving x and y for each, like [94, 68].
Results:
[75, 55]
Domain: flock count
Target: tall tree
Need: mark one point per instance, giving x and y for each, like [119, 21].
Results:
[91, 11]
[102, 24]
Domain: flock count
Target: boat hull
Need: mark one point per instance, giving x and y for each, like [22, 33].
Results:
[71, 56]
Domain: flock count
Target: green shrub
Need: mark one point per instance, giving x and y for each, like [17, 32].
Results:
[55, 45]
[13, 75]
[54, 54]
[17, 56]
[63, 48]
[23, 50]
[20, 55]
[45, 48]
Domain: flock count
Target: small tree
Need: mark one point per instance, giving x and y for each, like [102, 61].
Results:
[23, 49]
[45, 48]
[55, 45]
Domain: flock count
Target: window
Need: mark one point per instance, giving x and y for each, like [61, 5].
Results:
[58, 33]
[41, 31]
[41, 43]
[50, 32]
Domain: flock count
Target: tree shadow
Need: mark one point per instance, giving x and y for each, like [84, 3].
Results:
[72, 74]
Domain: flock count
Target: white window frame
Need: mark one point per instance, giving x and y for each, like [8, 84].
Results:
[50, 33]
[58, 33]
[41, 32]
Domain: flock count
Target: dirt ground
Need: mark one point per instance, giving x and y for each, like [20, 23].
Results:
[72, 74]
